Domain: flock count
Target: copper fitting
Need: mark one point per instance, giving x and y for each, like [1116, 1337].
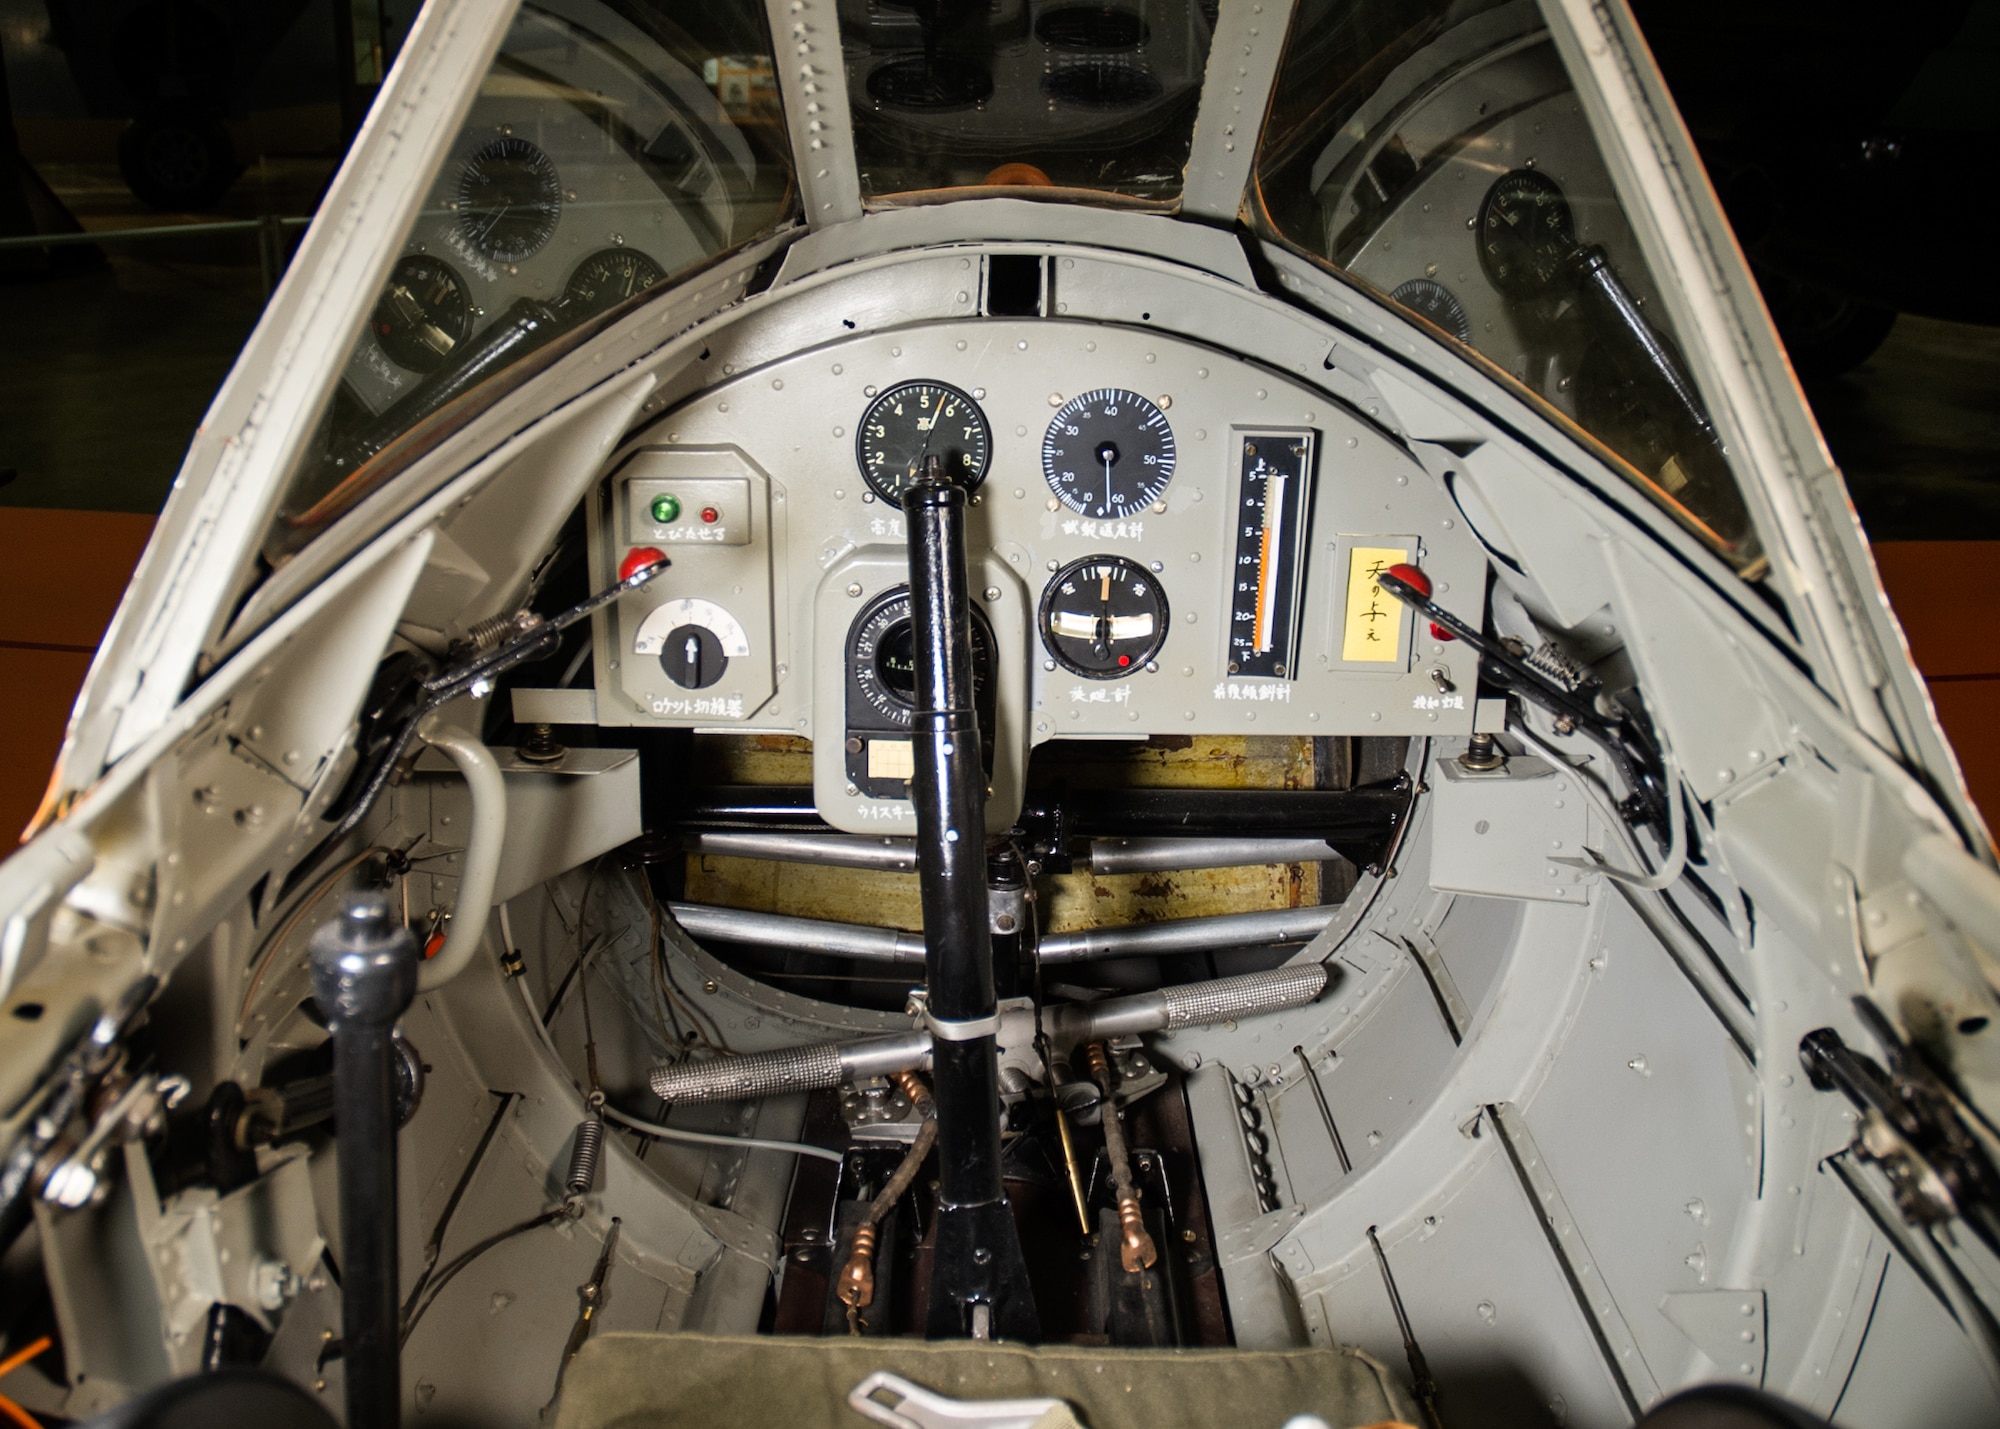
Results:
[912, 1086]
[857, 1277]
[1136, 1250]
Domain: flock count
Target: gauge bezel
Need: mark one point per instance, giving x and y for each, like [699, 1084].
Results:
[1167, 461]
[1527, 265]
[877, 619]
[466, 318]
[893, 493]
[614, 252]
[1044, 625]
[548, 206]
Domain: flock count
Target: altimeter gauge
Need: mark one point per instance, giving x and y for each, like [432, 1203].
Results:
[911, 423]
[1103, 617]
[1108, 454]
[1526, 233]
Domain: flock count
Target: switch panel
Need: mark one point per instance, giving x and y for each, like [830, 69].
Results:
[694, 646]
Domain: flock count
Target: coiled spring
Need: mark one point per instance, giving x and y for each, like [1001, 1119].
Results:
[1561, 668]
[585, 1153]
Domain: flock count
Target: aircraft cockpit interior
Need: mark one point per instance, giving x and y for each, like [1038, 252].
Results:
[1011, 694]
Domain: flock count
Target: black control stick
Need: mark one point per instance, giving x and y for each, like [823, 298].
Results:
[979, 1280]
[364, 972]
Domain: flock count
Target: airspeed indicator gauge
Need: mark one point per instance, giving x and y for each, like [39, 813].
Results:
[1108, 454]
[509, 200]
[1103, 617]
[911, 423]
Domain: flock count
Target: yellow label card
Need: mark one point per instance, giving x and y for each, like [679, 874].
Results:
[891, 759]
[1373, 629]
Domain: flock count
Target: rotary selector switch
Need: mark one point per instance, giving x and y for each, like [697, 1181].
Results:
[694, 641]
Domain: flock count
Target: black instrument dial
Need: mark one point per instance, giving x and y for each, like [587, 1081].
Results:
[509, 200]
[1108, 453]
[607, 278]
[424, 313]
[1526, 233]
[1103, 617]
[911, 423]
[883, 659]
[1435, 301]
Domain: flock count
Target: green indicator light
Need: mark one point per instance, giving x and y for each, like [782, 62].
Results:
[666, 510]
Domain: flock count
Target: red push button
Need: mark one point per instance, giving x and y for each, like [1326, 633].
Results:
[637, 559]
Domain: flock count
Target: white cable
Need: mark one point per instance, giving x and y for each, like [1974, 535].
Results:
[665, 1133]
[707, 1138]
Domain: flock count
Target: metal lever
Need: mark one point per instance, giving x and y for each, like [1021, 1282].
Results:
[1623, 742]
[537, 637]
[364, 972]
[911, 1406]
[1135, 1245]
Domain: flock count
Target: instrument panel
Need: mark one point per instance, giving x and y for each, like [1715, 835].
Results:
[1163, 539]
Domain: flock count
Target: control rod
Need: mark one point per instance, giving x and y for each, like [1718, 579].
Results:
[979, 1279]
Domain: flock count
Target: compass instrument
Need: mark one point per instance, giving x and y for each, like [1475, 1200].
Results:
[1108, 453]
[509, 200]
[882, 693]
[607, 278]
[1274, 495]
[913, 422]
[1103, 617]
[424, 313]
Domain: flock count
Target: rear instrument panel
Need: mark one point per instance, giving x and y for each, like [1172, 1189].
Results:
[1164, 539]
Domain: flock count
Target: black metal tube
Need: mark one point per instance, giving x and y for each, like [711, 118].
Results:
[1356, 823]
[978, 1260]
[364, 971]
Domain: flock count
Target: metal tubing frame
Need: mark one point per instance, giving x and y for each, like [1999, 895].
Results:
[1105, 856]
[889, 945]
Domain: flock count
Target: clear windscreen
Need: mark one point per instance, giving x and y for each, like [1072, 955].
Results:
[1436, 150]
[957, 97]
[613, 145]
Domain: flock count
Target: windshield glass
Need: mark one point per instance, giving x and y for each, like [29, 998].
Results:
[610, 148]
[983, 94]
[1436, 150]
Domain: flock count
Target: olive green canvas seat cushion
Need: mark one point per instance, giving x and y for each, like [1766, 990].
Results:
[719, 1381]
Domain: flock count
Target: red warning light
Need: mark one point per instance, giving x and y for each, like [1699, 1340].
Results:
[1124, 660]
[710, 515]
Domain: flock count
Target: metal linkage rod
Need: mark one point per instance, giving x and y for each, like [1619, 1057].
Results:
[887, 945]
[979, 1279]
[1069, 1024]
[1355, 824]
[364, 973]
[1102, 855]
